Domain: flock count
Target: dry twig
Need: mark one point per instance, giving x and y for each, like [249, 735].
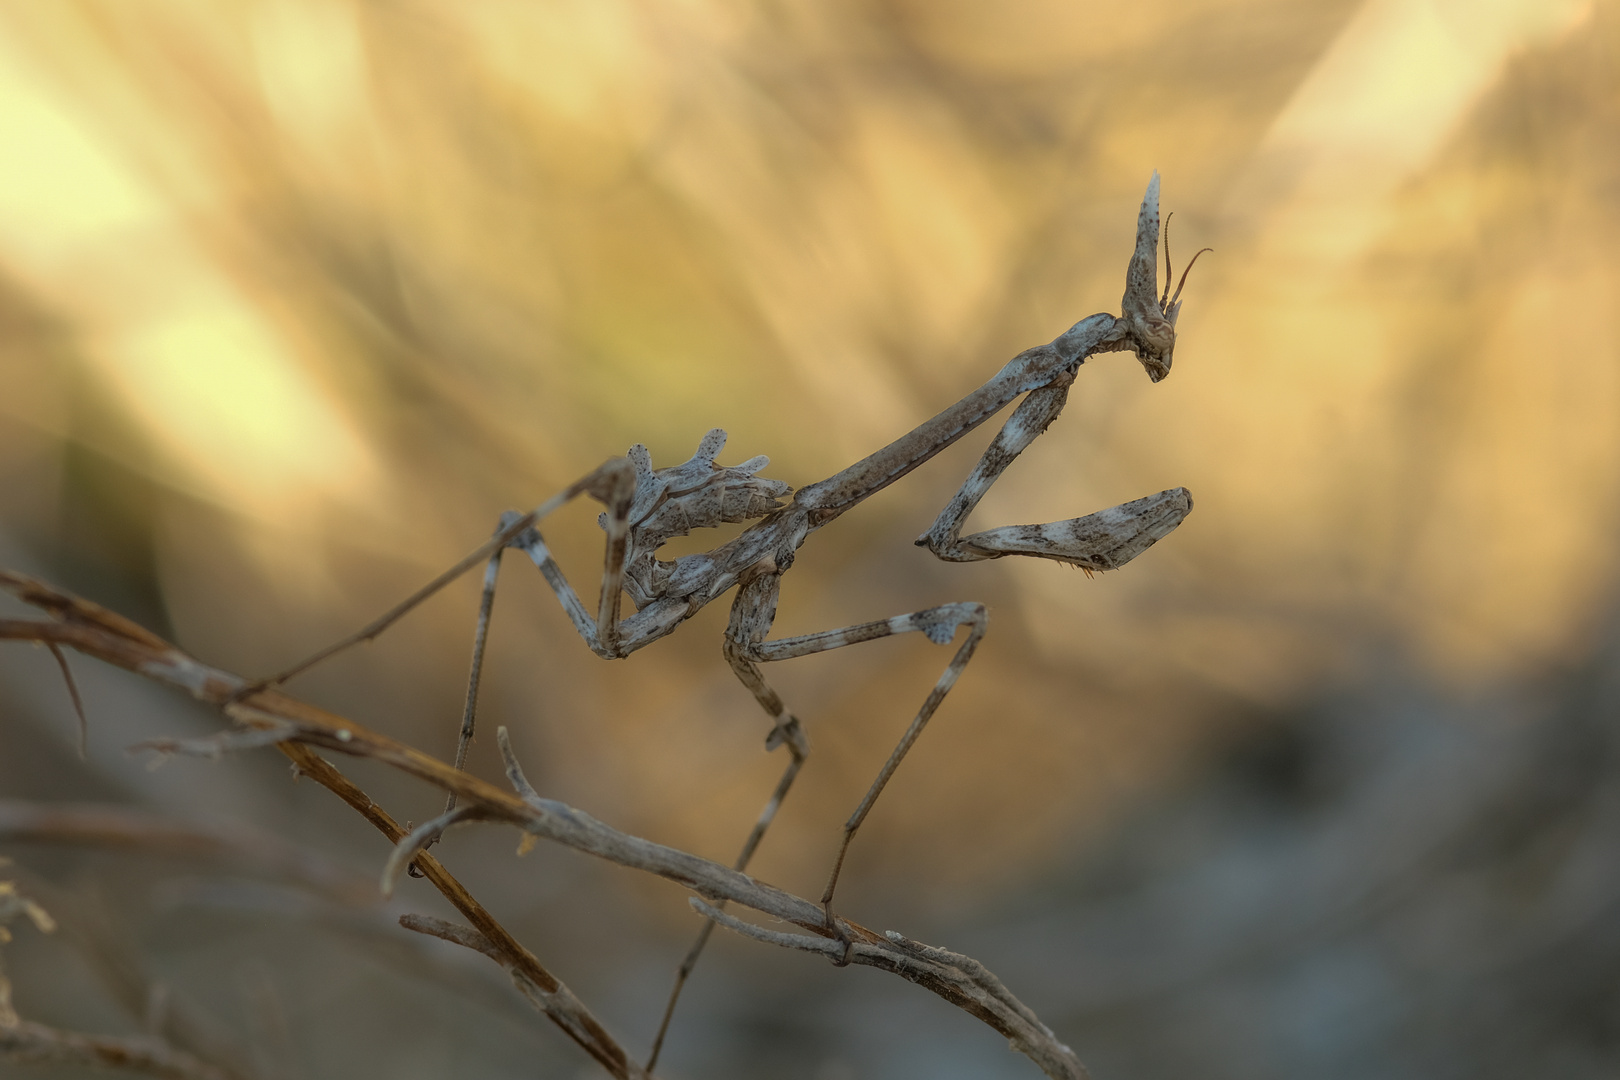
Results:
[85, 627]
[95, 631]
[38, 1044]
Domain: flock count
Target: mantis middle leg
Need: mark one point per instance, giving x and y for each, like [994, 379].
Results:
[601, 635]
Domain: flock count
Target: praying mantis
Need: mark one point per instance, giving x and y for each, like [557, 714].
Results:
[646, 507]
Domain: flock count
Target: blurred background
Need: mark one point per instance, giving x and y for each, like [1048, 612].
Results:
[296, 296]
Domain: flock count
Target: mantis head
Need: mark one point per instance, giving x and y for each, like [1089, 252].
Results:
[1150, 315]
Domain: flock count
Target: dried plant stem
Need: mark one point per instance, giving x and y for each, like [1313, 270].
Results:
[38, 1044]
[303, 727]
[94, 631]
[549, 1002]
[127, 828]
[561, 1006]
[78, 702]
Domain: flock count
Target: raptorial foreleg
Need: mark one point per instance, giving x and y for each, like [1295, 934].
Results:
[1102, 541]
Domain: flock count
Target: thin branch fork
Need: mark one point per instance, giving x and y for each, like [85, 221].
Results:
[94, 631]
[560, 1005]
[302, 727]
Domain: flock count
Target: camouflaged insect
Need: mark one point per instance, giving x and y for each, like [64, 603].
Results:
[647, 507]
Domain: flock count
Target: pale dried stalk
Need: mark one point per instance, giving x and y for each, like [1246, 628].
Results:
[95, 632]
[926, 965]
[564, 1009]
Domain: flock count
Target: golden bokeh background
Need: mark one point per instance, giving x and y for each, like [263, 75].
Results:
[296, 296]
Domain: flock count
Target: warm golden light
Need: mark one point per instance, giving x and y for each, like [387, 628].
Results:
[298, 296]
[156, 319]
[355, 278]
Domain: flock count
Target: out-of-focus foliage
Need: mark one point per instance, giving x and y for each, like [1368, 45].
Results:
[297, 296]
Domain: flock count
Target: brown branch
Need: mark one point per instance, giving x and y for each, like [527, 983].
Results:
[95, 631]
[565, 1010]
[560, 1001]
[38, 1044]
[962, 982]
[78, 702]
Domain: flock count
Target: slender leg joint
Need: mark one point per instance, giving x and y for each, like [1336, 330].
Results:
[790, 733]
[838, 933]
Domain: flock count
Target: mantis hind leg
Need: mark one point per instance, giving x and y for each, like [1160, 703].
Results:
[752, 615]
[939, 624]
